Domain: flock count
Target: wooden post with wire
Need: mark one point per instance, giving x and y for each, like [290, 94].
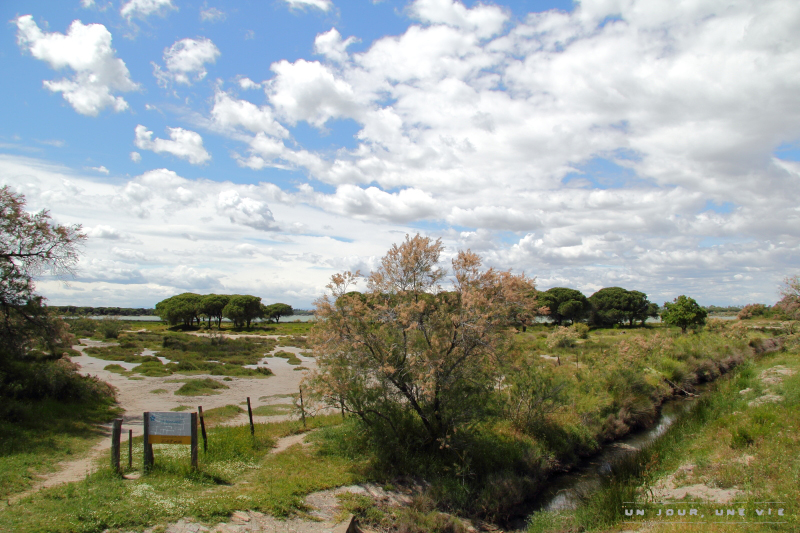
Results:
[116, 433]
[193, 443]
[147, 462]
[302, 408]
[130, 449]
[203, 428]
[250, 414]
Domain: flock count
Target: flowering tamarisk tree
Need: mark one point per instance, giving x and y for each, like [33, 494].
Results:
[416, 361]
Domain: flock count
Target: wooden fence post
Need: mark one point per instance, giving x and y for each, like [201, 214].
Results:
[194, 440]
[130, 449]
[203, 428]
[116, 431]
[302, 407]
[250, 414]
[148, 448]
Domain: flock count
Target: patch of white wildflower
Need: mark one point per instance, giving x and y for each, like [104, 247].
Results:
[155, 498]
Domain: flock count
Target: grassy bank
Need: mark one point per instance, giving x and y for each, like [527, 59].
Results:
[738, 447]
[48, 414]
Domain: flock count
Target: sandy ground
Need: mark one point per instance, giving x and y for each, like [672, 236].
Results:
[136, 397]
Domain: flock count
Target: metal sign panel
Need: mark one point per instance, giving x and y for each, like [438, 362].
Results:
[170, 428]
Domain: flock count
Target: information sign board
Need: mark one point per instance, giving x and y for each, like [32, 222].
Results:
[170, 428]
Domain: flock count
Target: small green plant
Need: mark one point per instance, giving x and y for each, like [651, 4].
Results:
[222, 414]
[200, 387]
[273, 409]
[110, 328]
[562, 337]
[292, 359]
[580, 329]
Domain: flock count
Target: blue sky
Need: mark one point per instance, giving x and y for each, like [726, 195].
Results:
[262, 146]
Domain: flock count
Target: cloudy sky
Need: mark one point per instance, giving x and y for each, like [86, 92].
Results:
[260, 146]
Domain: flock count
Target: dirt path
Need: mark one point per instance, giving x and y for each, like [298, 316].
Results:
[137, 396]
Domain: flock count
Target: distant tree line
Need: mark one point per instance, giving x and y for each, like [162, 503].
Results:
[73, 310]
[715, 309]
[606, 307]
[241, 309]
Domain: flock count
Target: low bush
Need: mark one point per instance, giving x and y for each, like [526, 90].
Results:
[200, 387]
[580, 329]
[562, 337]
[110, 328]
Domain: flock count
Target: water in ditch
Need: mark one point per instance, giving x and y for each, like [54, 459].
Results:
[563, 491]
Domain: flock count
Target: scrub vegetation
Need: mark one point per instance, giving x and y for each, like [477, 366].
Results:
[187, 354]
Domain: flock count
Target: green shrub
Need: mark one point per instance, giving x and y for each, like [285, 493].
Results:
[82, 327]
[200, 387]
[292, 359]
[110, 327]
[562, 337]
[581, 330]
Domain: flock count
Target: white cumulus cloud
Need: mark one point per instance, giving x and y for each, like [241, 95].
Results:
[229, 112]
[185, 144]
[185, 61]
[484, 20]
[373, 203]
[308, 90]
[212, 14]
[86, 49]
[331, 45]
[323, 5]
[245, 211]
[145, 8]
[248, 84]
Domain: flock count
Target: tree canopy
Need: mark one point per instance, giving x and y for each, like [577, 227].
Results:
[565, 304]
[683, 312]
[411, 360]
[242, 309]
[790, 301]
[614, 305]
[276, 311]
[183, 308]
[212, 306]
[30, 245]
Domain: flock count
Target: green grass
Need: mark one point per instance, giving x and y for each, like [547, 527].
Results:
[295, 341]
[730, 443]
[266, 398]
[182, 408]
[200, 387]
[158, 391]
[291, 358]
[44, 433]
[275, 484]
[273, 409]
[219, 415]
[117, 369]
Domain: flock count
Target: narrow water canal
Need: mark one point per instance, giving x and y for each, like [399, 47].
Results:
[563, 491]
